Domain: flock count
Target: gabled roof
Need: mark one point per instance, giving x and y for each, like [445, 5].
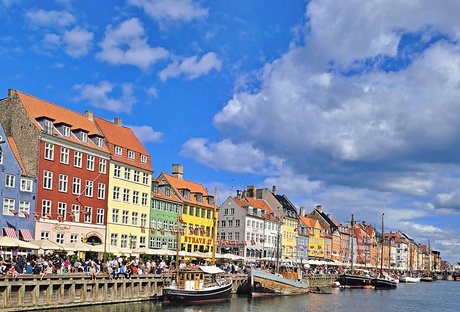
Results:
[284, 201]
[16, 155]
[124, 137]
[261, 204]
[179, 184]
[37, 108]
[161, 195]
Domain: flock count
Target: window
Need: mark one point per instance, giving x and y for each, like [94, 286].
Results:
[26, 185]
[101, 190]
[66, 131]
[73, 238]
[24, 208]
[126, 195]
[8, 204]
[143, 159]
[76, 186]
[9, 180]
[84, 137]
[127, 173]
[49, 151]
[100, 216]
[77, 159]
[134, 218]
[115, 215]
[136, 176]
[89, 188]
[230, 223]
[199, 198]
[116, 171]
[90, 163]
[167, 190]
[44, 235]
[197, 212]
[114, 239]
[124, 241]
[130, 154]
[88, 214]
[46, 207]
[135, 197]
[75, 215]
[116, 193]
[191, 210]
[48, 127]
[63, 181]
[141, 241]
[144, 199]
[1, 156]
[64, 155]
[47, 180]
[60, 238]
[222, 223]
[237, 223]
[143, 219]
[102, 165]
[62, 209]
[98, 142]
[118, 150]
[124, 217]
[145, 179]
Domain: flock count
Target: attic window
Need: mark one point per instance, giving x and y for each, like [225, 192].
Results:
[199, 198]
[131, 154]
[66, 131]
[84, 137]
[99, 142]
[48, 127]
[143, 159]
[186, 194]
[118, 150]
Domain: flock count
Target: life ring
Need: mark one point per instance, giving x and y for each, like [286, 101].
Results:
[257, 285]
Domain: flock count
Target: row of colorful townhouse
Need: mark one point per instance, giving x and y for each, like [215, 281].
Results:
[77, 177]
[261, 224]
[72, 177]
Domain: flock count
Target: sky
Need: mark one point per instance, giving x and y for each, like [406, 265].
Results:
[353, 105]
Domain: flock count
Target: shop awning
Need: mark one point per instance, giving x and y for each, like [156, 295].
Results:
[26, 235]
[10, 232]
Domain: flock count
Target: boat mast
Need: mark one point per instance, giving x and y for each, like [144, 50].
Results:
[352, 239]
[178, 245]
[214, 228]
[381, 253]
[278, 242]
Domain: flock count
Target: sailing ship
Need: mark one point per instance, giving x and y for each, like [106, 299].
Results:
[409, 278]
[356, 278]
[286, 280]
[198, 284]
[383, 281]
[428, 277]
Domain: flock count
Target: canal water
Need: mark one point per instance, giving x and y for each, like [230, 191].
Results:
[435, 296]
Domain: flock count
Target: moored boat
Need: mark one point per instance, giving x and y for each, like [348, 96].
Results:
[384, 282]
[355, 280]
[199, 284]
[263, 283]
[409, 279]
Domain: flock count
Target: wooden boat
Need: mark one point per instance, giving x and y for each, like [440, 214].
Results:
[199, 284]
[426, 279]
[383, 281]
[269, 284]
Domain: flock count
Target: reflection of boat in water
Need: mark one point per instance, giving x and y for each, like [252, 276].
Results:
[199, 284]
[320, 291]
[287, 282]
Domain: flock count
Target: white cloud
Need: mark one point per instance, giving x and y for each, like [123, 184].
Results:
[178, 10]
[192, 67]
[77, 42]
[127, 45]
[146, 134]
[99, 96]
[51, 19]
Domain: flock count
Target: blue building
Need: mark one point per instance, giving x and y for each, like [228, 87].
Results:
[17, 193]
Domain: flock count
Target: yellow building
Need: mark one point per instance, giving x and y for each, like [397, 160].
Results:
[129, 197]
[315, 240]
[198, 217]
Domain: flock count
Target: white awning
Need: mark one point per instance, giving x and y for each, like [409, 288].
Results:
[210, 269]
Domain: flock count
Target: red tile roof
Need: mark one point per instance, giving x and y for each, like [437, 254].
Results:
[179, 184]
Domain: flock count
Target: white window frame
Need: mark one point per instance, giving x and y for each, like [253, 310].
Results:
[144, 199]
[127, 173]
[90, 162]
[48, 127]
[49, 151]
[84, 137]
[26, 185]
[118, 151]
[76, 212]
[131, 155]
[102, 165]
[136, 176]
[135, 197]
[134, 218]
[47, 180]
[44, 235]
[77, 159]
[76, 186]
[89, 188]
[88, 217]
[46, 207]
[145, 178]
[124, 217]
[62, 210]
[126, 195]
[116, 193]
[60, 237]
[101, 191]
[100, 216]
[64, 155]
[63, 183]
[66, 131]
[73, 238]
[143, 159]
[116, 171]
[10, 180]
[24, 207]
[8, 204]
[115, 215]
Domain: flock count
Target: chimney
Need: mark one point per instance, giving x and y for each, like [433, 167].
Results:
[117, 121]
[239, 194]
[89, 115]
[252, 191]
[329, 215]
[178, 171]
[10, 92]
[319, 208]
[364, 223]
[274, 189]
[302, 211]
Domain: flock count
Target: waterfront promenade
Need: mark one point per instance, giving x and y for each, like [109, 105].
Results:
[29, 292]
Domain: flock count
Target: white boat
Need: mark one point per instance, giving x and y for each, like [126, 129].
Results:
[409, 279]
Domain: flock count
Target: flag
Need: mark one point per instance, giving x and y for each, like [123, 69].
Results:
[86, 213]
[37, 216]
[152, 230]
[253, 242]
[201, 231]
[235, 243]
[191, 230]
[162, 231]
[173, 231]
[244, 243]
[182, 231]
[218, 241]
[14, 212]
[10, 225]
[181, 220]
[26, 215]
[262, 240]
[142, 229]
[60, 218]
[49, 216]
[72, 216]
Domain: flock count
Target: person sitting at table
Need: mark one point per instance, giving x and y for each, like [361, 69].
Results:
[12, 272]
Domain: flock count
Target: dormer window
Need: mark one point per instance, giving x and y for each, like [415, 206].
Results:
[155, 187]
[118, 150]
[143, 159]
[84, 137]
[167, 190]
[99, 142]
[199, 197]
[66, 131]
[131, 155]
[48, 127]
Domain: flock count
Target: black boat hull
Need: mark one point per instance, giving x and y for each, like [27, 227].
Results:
[355, 281]
[214, 294]
[381, 283]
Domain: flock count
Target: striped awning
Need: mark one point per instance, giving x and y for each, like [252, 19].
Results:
[26, 235]
[10, 232]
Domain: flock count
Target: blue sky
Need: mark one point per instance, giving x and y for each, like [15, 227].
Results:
[353, 105]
